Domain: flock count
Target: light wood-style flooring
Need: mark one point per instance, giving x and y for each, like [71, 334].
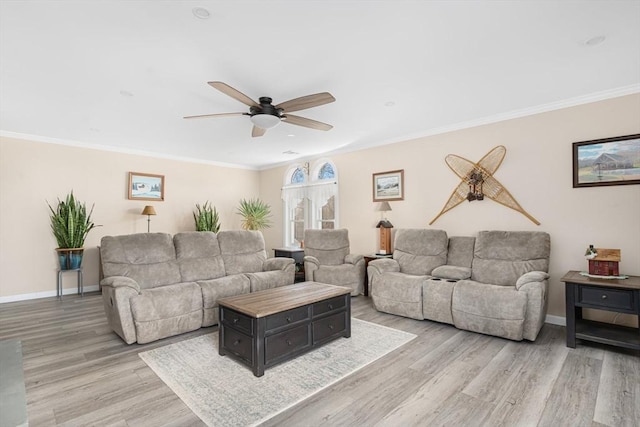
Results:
[77, 372]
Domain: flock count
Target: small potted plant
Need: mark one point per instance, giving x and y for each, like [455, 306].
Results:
[70, 224]
[256, 214]
[206, 218]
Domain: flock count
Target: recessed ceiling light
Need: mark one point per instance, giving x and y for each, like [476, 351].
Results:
[126, 93]
[389, 104]
[291, 135]
[594, 41]
[201, 13]
[290, 152]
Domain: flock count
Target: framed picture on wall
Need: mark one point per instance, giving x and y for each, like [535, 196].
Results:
[146, 186]
[608, 161]
[388, 186]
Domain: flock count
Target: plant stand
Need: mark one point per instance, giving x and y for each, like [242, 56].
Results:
[80, 285]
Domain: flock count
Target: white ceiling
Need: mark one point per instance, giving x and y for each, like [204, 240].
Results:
[122, 74]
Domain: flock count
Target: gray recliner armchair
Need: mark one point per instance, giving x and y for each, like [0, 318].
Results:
[328, 260]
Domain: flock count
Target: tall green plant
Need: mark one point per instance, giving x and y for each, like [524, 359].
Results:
[70, 222]
[256, 214]
[206, 218]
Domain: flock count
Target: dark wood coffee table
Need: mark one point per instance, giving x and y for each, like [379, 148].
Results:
[264, 328]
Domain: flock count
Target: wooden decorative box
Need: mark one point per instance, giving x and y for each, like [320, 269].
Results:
[605, 263]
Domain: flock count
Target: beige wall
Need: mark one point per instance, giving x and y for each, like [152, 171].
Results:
[32, 173]
[537, 170]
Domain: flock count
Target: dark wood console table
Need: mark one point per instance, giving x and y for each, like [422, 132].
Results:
[620, 296]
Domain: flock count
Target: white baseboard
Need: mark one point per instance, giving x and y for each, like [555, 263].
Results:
[556, 320]
[46, 294]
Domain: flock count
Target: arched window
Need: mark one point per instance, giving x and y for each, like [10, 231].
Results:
[310, 200]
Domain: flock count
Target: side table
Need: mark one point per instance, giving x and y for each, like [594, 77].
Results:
[298, 256]
[367, 260]
[620, 296]
[80, 285]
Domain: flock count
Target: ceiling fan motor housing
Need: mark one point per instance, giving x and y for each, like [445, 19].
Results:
[266, 107]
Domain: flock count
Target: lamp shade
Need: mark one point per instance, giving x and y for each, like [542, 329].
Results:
[383, 207]
[265, 121]
[149, 210]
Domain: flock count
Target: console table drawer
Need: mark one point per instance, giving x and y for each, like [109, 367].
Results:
[239, 344]
[283, 344]
[329, 305]
[329, 326]
[237, 320]
[606, 298]
[287, 317]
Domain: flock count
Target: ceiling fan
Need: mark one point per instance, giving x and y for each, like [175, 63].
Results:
[264, 115]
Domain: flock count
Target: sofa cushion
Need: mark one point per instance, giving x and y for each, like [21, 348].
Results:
[460, 251]
[398, 293]
[198, 254]
[242, 251]
[489, 309]
[215, 289]
[167, 310]
[147, 258]
[419, 251]
[329, 247]
[501, 257]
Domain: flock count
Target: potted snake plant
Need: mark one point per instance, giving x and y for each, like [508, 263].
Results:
[206, 218]
[256, 214]
[70, 224]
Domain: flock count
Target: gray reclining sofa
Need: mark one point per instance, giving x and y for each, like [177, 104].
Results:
[156, 286]
[495, 283]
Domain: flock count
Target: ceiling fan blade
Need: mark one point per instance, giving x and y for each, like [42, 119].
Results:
[308, 123]
[202, 116]
[256, 131]
[234, 93]
[305, 102]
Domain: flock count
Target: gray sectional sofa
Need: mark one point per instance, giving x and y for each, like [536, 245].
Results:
[156, 285]
[495, 283]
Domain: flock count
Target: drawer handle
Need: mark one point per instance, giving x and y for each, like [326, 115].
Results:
[236, 342]
[288, 319]
[604, 297]
[330, 306]
[235, 320]
[331, 327]
[289, 342]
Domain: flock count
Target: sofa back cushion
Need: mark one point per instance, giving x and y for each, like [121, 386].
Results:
[501, 257]
[419, 251]
[330, 247]
[147, 258]
[242, 251]
[198, 254]
[460, 252]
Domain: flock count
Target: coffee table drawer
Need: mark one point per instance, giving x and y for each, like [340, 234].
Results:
[237, 320]
[606, 298]
[329, 305]
[239, 344]
[329, 326]
[287, 317]
[281, 345]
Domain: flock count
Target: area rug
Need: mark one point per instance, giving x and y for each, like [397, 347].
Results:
[222, 392]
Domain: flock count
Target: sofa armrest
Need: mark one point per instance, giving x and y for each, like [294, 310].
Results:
[311, 264]
[451, 272]
[353, 259]
[120, 282]
[531, 276]
[275, 264]
[383, 265]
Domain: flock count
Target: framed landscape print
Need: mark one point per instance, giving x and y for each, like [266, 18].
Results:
[388, 186]
[609, 161]
[146, 186]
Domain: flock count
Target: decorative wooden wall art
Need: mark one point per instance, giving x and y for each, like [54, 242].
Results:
[477, 181]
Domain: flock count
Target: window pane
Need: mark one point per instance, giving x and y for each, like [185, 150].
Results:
[297, 177]
[328, 210]
[326, 172]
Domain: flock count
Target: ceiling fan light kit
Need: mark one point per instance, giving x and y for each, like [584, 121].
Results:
[265, 116]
